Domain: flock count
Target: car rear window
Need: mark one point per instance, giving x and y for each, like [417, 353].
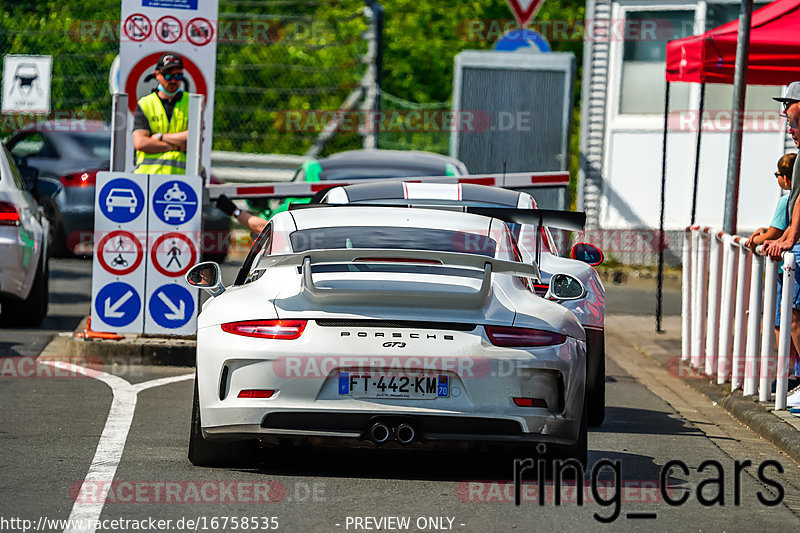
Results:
[392, 238]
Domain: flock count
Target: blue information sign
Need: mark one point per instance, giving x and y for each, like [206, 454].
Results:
[171, 306]
[121, 200]
[117, 304]
[175, 202]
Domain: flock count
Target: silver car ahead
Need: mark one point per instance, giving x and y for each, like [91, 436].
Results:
[23, 247]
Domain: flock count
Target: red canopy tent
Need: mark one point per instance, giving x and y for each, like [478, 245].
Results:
[774, 57]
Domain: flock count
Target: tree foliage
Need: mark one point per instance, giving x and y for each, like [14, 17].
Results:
[309, 60]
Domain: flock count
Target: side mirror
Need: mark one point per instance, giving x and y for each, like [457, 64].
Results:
[588, 253]
[206, 276]
[45, 188]
[565, 287]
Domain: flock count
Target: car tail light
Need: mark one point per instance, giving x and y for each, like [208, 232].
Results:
[255, 393]
[9, 216]
[522, 337]
[530, 402]
[267, 329]
[80, 179]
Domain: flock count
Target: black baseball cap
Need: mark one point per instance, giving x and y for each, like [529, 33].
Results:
[168, 61]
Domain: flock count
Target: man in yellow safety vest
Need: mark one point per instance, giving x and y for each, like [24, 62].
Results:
[161, 120]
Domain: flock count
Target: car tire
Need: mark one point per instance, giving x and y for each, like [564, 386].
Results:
[203, 452]
[29, 313]
[596, 376]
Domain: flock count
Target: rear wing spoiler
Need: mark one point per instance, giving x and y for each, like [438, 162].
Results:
[554, 218]
[436, 298]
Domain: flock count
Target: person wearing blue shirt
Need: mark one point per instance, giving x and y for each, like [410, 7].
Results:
[778, 224]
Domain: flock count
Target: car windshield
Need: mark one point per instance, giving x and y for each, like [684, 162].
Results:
[98, 145]
[392, 238]
[455, 204]
[121, 192]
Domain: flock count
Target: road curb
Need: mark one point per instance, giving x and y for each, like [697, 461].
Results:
[750, 413]
[167, 351]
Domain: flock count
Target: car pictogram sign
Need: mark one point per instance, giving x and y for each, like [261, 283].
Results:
[121, 200]
[137, 27]
[119, 252]
[175, 202]
[173, 254]
[168, 29]
[199, 31]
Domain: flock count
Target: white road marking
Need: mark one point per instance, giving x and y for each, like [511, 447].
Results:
[112, 440]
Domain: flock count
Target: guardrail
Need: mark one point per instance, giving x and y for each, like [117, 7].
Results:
[728, 313]
[235, 166]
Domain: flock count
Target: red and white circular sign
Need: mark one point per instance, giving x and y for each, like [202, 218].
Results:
[137, 27]
[141, 82]
[199, 31]
[168, 29]
[173, 254]
[120, 252]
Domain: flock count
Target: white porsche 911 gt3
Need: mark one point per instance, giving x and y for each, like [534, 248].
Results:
[376, 326]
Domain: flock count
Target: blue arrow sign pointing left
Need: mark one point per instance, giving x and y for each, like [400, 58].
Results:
[117, 304]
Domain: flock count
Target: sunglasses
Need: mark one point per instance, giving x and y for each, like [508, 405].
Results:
[778, 174]
[177, 76]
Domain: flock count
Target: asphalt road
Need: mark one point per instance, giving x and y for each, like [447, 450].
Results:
[51, 425]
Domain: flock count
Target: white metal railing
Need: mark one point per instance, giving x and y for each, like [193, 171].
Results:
[728, 313]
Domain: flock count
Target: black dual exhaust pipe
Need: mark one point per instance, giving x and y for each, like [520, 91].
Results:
[402, 433]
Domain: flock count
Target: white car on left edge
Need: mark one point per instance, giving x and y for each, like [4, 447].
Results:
[376, 326]
[23, 245]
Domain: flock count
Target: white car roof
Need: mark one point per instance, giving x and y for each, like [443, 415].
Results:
[325, 217]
